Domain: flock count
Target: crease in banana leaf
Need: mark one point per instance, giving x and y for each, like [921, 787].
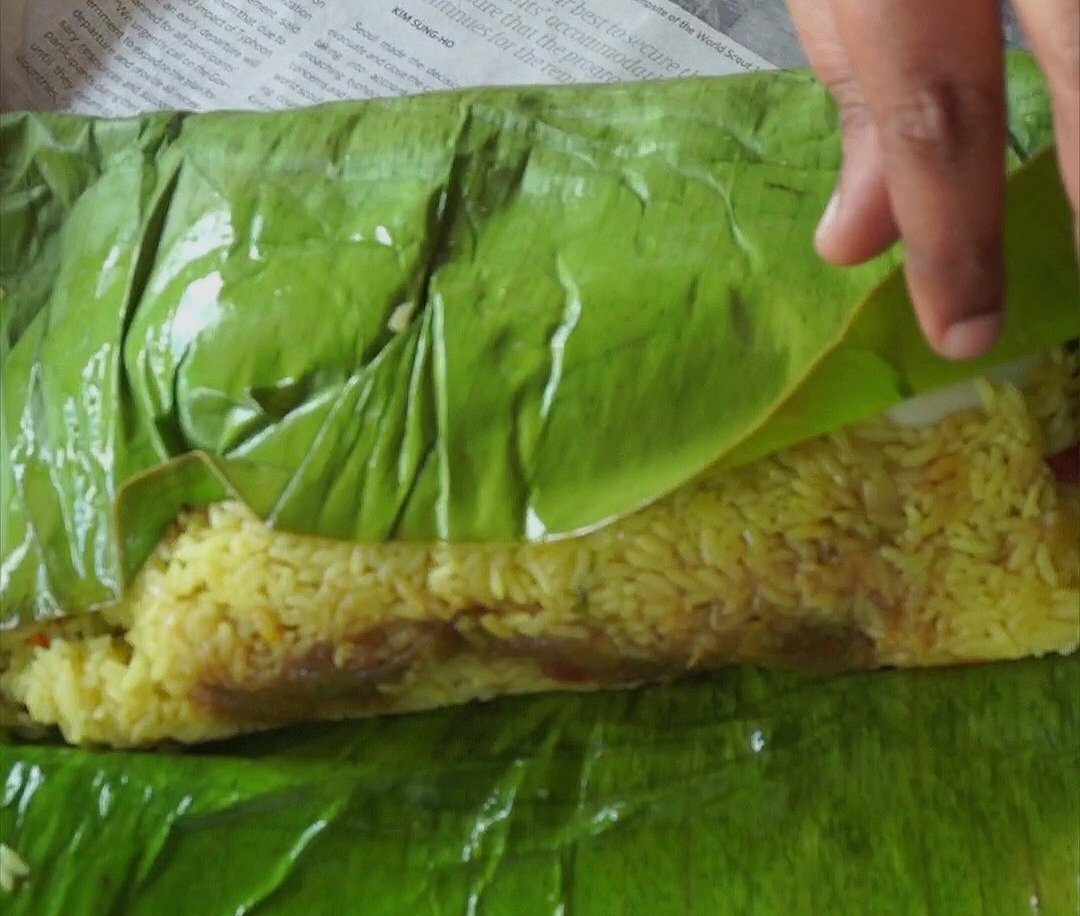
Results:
[947, 791]
[443, 317]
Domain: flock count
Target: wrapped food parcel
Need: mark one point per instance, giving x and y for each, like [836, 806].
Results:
[379, 406]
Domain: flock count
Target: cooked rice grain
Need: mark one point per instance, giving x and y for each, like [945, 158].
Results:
[878, 545]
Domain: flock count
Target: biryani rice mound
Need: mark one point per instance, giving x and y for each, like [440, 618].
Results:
[879, 545]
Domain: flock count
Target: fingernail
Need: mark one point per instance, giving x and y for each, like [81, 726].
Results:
[829, 216]
[971, 337]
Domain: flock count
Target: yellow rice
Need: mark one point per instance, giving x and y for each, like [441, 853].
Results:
[877, 545]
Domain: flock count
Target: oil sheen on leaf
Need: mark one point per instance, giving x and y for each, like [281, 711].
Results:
[947, 791]
[492, 315]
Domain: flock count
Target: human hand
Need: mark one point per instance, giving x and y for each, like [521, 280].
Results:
[920, 85]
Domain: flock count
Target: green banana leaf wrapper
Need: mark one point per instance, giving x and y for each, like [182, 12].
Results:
[200, 305]
[745, 793]
[493, 315]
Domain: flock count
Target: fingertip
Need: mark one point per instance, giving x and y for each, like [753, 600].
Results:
[970, 337]
[825, 242]
[852, 233]
[857, 223]
[958, 293]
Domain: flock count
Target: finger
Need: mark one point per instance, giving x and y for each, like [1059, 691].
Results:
[933, 80]
[858, 222]
[1052, 28]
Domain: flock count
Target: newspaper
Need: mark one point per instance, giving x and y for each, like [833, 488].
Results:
[118, 57]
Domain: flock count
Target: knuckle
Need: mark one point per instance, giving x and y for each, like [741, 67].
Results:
[854, 116]
[942, 122]
[849, 99]
[961, 263]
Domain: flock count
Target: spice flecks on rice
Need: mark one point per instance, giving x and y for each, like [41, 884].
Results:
[880, 544]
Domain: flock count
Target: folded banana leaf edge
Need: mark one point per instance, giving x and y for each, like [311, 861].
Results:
[491, 315]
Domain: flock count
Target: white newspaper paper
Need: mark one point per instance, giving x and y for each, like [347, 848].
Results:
[118, 57]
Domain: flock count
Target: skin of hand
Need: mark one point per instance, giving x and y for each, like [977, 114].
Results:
[920, 86]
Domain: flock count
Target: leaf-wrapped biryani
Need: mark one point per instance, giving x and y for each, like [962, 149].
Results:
[379, 406]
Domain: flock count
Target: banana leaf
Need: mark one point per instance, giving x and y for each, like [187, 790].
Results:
[491, 315]
[948, 791]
